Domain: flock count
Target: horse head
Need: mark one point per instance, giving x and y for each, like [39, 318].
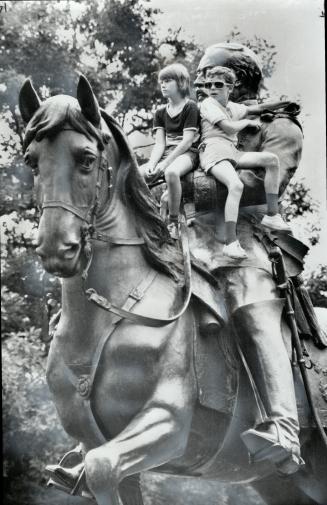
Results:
[86, 178]
[66, 144]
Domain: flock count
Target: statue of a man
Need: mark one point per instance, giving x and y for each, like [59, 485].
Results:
[252, 299]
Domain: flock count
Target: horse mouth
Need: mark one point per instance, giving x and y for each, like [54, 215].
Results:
[68, 266]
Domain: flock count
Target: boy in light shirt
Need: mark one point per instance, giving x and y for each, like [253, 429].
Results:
[221, 120]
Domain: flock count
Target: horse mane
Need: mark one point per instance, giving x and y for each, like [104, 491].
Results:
[159, 249]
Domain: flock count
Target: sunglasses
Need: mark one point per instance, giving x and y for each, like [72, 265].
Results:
[216, 85]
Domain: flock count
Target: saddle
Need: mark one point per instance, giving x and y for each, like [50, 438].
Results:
[204, 193]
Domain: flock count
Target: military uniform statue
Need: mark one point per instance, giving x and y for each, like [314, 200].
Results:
[253, 302]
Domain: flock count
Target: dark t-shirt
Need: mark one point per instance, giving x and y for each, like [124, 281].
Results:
[187, 119]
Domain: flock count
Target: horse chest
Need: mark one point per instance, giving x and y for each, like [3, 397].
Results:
[126, 376]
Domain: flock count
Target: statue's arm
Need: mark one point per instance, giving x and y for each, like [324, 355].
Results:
[259, 108]
[284, 138]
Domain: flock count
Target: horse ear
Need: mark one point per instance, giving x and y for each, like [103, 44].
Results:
[88, 103]
[29, 101]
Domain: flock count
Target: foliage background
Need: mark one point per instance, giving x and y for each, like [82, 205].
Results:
[119, 47]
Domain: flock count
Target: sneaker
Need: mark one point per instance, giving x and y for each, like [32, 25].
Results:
[234, 250]
[173, 229]
[275, 222]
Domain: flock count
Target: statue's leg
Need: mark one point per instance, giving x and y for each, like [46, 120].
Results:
[256, 315]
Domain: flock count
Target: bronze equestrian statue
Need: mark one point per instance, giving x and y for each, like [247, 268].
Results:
[136, 374]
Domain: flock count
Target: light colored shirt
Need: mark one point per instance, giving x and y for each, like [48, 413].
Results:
[212, 112]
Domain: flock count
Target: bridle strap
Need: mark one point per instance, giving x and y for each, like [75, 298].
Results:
[66, 206]
[89, 214]
[95, 235]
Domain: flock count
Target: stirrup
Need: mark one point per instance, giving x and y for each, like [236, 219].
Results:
[64, 479]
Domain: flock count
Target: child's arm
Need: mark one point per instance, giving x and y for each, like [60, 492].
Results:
[181, 148]
[158, 150]
[230, 127]
[213, 113]
[259, 108]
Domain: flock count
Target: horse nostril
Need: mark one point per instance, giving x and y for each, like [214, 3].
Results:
[69, 249]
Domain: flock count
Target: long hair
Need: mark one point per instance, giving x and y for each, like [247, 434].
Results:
[61, 110]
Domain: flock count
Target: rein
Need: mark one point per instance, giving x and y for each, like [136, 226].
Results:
[138, 292]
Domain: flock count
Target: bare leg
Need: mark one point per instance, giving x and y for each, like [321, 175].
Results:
[179, 167]
[225, 173]
[270, 163]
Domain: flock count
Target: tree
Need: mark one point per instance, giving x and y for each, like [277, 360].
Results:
[264, 49]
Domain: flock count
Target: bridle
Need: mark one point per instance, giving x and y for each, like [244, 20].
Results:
[89, 233]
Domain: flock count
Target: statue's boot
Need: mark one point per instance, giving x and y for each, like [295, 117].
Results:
[276, 435]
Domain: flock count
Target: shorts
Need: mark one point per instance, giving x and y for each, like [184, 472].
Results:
[214, 150]
[192, 153]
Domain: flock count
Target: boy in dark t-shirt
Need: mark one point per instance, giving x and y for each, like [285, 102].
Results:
[176, 127]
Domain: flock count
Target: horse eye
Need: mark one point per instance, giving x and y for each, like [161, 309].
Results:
[87, 162]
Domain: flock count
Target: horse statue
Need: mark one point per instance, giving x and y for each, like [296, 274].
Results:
[137, 377]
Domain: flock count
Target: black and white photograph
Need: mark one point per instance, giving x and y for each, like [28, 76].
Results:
[163, 197]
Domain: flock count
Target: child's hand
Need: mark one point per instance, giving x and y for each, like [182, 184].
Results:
[149, 168]
[161, 167]
[254, 124]
[153, 172]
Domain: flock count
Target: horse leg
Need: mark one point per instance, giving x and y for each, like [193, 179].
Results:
[307, 487]
[281, 491]
[155, 436]
[130, 490]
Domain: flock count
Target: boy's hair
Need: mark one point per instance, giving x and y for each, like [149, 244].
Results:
[226, 73]
[180, 74]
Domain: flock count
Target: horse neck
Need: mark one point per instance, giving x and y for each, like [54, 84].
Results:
[115, 270]
[124, 263]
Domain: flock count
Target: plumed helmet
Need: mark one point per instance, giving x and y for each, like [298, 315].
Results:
[239, 58]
